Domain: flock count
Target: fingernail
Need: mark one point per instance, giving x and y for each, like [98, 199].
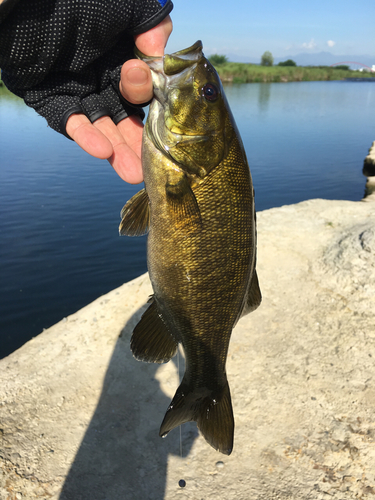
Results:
[137, 76]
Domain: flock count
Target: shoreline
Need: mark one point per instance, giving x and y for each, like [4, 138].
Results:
[80, 417]
[252, 73]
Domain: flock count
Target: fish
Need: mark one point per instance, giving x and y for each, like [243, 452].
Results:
[197, 206]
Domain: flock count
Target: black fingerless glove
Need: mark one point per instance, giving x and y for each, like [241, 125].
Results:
[65, 56]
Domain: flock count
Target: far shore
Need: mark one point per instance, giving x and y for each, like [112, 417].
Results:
[231, 72]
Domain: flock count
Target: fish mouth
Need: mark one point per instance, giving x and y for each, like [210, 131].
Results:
[167, 72]
[172, 64]
[171, 68]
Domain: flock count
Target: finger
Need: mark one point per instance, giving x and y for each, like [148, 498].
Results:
[153, 42]
[88, 137]
[136, 82]
[132, 129]
[123, 137]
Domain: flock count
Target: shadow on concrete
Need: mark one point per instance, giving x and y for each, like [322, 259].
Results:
[121, 455]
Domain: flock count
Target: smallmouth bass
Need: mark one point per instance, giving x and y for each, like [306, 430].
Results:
[198, 207]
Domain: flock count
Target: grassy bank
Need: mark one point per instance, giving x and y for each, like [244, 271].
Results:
[249, 73]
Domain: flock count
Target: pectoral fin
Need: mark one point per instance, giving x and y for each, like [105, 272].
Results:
[136, 215]
[182, 200]
[151, 340]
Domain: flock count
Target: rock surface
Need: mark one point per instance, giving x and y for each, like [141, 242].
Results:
[79, 417]
[369, 163]
[369, 172]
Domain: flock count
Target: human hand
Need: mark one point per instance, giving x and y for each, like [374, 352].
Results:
[73, 72]
[121, 143]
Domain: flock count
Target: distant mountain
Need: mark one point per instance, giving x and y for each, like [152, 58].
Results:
[326, 59]
[241, 58]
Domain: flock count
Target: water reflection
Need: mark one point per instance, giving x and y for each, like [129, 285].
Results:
[264, 94]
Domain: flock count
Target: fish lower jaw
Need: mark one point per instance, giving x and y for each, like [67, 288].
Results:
[175, 138]
[167, 140]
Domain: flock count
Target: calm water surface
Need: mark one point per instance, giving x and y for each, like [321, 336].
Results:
[60, 208]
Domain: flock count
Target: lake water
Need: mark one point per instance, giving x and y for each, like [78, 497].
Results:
[60, 208]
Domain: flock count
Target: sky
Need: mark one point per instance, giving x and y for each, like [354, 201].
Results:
[246, 29]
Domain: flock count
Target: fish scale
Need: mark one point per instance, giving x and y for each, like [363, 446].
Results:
[198, 208]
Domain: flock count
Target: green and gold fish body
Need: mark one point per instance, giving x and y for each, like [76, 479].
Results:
[198, 204]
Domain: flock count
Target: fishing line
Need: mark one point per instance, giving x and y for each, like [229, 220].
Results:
[179, 383]
[182, 482]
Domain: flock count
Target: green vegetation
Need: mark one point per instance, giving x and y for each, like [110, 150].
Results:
[267, 59]
[341, 66]
[6, 94]
[232, 72]
[217, 59]
[288, 62]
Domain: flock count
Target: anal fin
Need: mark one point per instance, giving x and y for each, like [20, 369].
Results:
[151, 341]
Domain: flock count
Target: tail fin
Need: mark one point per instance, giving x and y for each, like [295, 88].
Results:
[213, 414]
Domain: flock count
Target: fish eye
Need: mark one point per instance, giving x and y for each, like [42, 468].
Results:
[210, 92]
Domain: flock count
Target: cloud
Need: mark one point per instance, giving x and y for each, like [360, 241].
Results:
[309, 45]
[331, 43]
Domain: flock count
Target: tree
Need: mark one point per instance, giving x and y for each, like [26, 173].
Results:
[216, 59]
[345, 67]
[289, 62]
[267, 59]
